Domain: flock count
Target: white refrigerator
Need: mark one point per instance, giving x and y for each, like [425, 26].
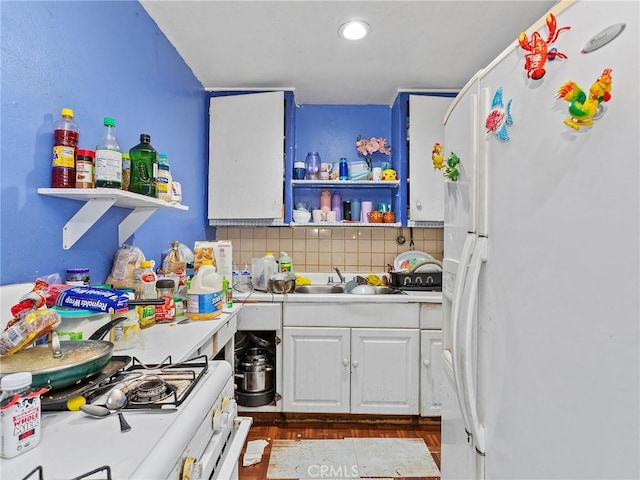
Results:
[541, 288]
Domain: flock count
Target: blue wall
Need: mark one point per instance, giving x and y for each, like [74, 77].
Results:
[331, 130]
[100, 59]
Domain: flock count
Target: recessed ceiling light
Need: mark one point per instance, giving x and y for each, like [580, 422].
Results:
[354, 30]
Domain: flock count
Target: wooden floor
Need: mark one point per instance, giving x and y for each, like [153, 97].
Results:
[268, 428]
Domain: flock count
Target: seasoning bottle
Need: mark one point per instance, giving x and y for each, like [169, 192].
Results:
[167, 312]
[144, 280]
[144, 167]
[85, 164]
[109, 157]
[164, 180]
[126, 171]
[19, 414]
[65, 142]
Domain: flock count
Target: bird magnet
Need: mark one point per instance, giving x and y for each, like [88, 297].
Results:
[452, 171]
[586, 107]
[437, 157]
[499, 117]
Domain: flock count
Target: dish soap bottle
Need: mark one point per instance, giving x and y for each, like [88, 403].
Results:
[286, 264]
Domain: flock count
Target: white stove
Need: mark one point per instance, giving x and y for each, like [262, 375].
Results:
[203, 438]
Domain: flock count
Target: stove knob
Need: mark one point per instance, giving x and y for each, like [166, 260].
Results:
[225, 402]
[217, 419]
[191, 469]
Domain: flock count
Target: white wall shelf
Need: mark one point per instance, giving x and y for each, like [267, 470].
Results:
[97, 202]
[346, 183]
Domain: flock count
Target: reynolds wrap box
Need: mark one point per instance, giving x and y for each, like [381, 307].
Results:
[96, 299]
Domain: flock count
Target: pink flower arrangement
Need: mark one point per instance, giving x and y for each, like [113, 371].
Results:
[368, 146]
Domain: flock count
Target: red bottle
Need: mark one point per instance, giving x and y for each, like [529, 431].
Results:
[66, 134]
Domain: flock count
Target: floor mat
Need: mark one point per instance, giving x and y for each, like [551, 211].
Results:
[351, 458]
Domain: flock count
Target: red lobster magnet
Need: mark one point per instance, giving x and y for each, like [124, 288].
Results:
[540, 53]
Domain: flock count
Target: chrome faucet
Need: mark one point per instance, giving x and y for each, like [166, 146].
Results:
[339, 274]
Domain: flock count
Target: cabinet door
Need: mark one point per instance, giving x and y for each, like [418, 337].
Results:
[426, 188]
[316, 370]
[384, 371]
[431, 373]
[246, 156]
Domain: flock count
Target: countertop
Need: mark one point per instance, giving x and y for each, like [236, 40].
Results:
[256, 296]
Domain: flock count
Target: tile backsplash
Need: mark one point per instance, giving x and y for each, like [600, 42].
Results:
[352, 249]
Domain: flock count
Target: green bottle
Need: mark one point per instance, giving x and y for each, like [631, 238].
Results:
[144, 167]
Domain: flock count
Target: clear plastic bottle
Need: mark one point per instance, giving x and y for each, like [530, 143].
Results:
[66, 133]
[144, 167]
[245, 278]
[109, 157]
[164, 180]
[20, 415]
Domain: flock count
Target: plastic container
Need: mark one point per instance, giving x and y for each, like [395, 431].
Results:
[286, 263]
[20, 414]
[108, 158]
[126, 334]
[262, 269]
[79, 324]
[78, 277]
[85, 165]
[144, 167]
[205, 293]
[164, 182]
[66, 134]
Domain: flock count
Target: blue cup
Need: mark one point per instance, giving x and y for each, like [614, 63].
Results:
[299, 173]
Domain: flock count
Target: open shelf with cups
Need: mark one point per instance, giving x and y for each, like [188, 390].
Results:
[381, 192]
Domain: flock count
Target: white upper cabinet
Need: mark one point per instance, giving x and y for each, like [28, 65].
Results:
[246, 158]
[426, 187]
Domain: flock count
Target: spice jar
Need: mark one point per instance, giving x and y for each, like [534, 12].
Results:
[85, 165]
[167, 311]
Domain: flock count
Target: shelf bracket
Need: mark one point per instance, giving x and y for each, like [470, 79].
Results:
[129, 225]
[84, 219]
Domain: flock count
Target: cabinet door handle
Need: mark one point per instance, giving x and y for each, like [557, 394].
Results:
[345, 362]
[354, 364]
[419, 205]
[426, 362]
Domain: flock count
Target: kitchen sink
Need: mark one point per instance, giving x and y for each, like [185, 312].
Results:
[320, 289]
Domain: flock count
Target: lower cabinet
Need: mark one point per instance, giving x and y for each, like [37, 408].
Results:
[351, 370]
[431, 373]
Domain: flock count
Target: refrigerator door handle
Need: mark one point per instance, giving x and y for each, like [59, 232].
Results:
[458, 297]
[467, 360]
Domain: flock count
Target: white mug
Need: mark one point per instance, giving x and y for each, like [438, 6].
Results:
[319, 215]
[377, 174]
[325, 170]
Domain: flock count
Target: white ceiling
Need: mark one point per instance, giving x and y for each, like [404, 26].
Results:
[413, 45]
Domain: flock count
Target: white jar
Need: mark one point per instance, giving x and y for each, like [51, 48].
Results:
[164, 182]
[20, 414]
